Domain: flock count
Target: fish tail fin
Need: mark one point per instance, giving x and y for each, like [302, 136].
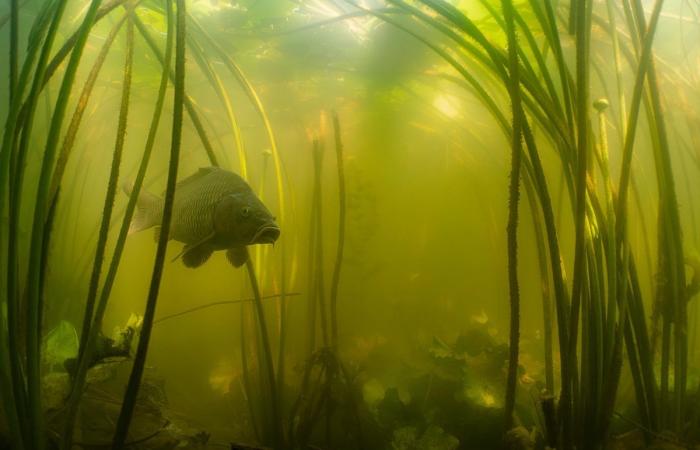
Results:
[149, 209]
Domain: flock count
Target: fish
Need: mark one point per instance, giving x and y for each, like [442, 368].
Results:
[214, 209]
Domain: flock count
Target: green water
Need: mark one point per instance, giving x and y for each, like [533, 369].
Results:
[423, 301]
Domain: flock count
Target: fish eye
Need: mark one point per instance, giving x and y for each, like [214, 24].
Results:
[245, 211]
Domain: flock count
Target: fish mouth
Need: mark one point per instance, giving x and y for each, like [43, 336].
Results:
[266, 234]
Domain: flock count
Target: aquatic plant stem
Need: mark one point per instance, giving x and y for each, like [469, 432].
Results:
[44, 26]
[318, 272]
[110, 194]
[267, 350]
[134, 383]
[669, 211]
[335, 281]
[34, 293]
[582, 133]
[252, 94]
[219, 303]
[9, 371]
[14, 46]
[311, 285]
[189, 104]
[219, 88]
[76, 120]
[513, 202]
[92, 319]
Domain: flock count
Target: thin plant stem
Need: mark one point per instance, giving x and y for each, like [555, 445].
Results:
[129, 403]
[93, 328]
[76, 120]
[189, 104]
[222, 302]
[266, 363]
[41, 207]
[335, 281]
[318, 272]
[14, 46]
[45, 28]
[513, 203]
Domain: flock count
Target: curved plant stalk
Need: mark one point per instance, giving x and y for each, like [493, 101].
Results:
[109, 196]
[312, 287]
[318, 273]
[92, 323]
[223, 96]
[547, 318]
[14, 46]
[513, 203]
[673, 248]
[62, 53]
[40, 42]
[335, 281]
[281, 198]
[582, 49]
[265, 359]
[189, 104]
[41, 206]
[245, 375]
[219, 303]
[71, 133]
[252, 94]
[129, 403]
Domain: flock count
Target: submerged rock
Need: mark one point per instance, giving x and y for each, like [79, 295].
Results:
[154, 425]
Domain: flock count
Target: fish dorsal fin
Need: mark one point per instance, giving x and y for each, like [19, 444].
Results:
[202, 172]
[237, 256]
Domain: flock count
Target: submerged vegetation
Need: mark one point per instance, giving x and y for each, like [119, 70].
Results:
[380, 134]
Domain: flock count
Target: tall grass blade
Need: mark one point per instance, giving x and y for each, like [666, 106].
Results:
[513, 203]
[92, 321]
[335, 281]
[130, 396]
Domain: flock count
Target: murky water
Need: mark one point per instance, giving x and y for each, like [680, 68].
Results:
[379, 135]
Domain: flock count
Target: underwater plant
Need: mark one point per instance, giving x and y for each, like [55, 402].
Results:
[603, 309]
[21, 381]
[577, 96]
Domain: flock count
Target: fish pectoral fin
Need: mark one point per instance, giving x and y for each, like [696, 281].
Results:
[189, 247]
[156, 233]
[237, 256]
[195, 256]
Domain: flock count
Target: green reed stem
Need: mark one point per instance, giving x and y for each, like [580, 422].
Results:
[630, 131]
[318, 273]
[189, 104]
[76, 120]
[61, 54]
[218, 86]
[130, 397]
[311, 258]
[266, 363]
[513, 203]
[341, 232]
[250, 91]
[88, 318]
[14, 46]
[245, 372]
[93, 322]
[44, 26]
[41, 207]
[547, 318]
[582, 80]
